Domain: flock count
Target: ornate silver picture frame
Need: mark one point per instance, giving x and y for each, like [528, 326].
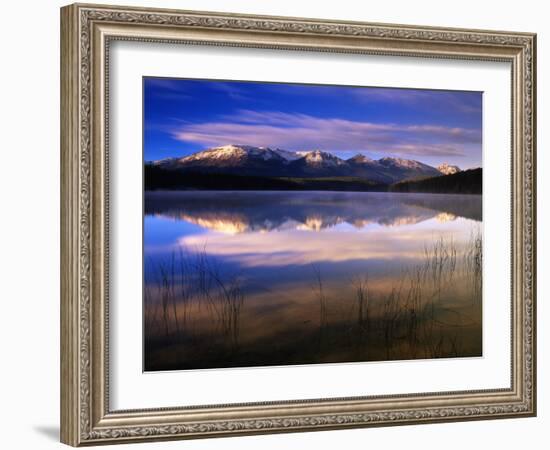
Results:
[87, 33]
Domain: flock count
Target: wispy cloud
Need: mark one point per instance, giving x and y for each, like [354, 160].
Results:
[303, 247]
[300, 131]
[231, 90]
[463, 102]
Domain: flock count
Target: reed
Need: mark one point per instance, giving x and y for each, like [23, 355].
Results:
[318, 288]
[409, 314]
[412, 318]
[362, 295]
[193, 278]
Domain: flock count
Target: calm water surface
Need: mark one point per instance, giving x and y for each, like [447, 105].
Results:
[274, 278]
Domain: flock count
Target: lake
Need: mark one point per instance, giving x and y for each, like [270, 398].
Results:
[239, 279]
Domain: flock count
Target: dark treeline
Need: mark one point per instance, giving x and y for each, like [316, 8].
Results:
[156, 178]
[466, 182]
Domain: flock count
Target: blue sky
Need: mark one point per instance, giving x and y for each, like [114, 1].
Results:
[184, 116]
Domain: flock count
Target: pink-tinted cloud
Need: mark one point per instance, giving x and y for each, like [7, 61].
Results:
[302, 246]
[301, 131]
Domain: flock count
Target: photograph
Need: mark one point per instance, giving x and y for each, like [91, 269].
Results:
[294, 224]
[287, 223]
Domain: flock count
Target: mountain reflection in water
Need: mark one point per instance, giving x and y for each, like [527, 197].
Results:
[237, 212]
[274, 278]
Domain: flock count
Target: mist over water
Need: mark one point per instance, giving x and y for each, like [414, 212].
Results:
[237, 279]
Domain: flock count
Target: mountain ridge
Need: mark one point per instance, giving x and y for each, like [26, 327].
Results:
[275, 162]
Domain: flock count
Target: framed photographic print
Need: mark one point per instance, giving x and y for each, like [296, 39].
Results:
[279, 224]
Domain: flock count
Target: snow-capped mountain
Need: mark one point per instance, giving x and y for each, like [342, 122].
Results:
[404, 169]
[360, 159]
[236, 159]
[316, 163]
[229, 154]
[324, 159]
[265, 161]
[289, 156]
[388, 161]
[447, 169]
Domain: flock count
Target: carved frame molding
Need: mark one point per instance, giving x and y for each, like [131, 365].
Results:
[86, 32]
